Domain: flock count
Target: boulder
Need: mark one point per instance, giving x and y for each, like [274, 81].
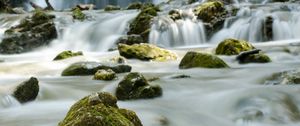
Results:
[112, 8]
[5, 6]
[233, 47]
[130, 39]
[31, 33]
[77, 14]
[90, 68]
[204, 60]
[105, 75]
[146, 51]
[27, 91]
[99, 109]
[135, 5]
[142, 23]
[213, 14]
[253, 56]
[136, 86]
[67, 54]
[175, 15]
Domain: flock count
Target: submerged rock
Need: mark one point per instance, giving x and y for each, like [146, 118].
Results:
[67, 54]
[112, 8]
[285, 78]
[142, 23]
[253, 56]
[31, 33]
[90, 68]
[99, 109]
[78, 15]
[118, 60]
[233, 47]
[213, 14]
[268, 28]
[146, 51]
[205, 60]
[105, 75]
[136, 86]
[27, 90]
[130, 39]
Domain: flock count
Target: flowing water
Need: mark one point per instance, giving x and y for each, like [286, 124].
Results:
[211, 97]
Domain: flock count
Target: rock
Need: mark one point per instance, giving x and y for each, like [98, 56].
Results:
[175, 15]
[78, 15]
[142, 23]
[233, 47]
[130, 39]
[268, 29]
[192, 1]
[27, 91]
[5, 6]
[135, 86]
[67, 54]
[112, 8]
[181, 76]
[146, 51]
[85, 6]
[31, 33]
[213, 14]
[18, 10]
[90, 68]
[284, 78]
[280, 0]
[99, 109]
[204, 60]
[119, 60]
[135, 5]
[105, 75]
[253, 56]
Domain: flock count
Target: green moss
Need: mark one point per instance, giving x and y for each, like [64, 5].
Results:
[142, 23]
[145, 51]
[105, 75]
[99, 109]
[196, 59]
[77, 14]
[210, 10]
[135, 5]
[27, 91]
[233, 47]
[135, 86]
[67, 54]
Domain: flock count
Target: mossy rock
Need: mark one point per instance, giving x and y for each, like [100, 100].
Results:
[78, 15]
[105, 75]
[233, 47]
[112, 8]
[192, 1]
[67, 54]
[90, 68]
[32, 32]
[146, 51]
[210, 10]
[99, 109]
[136, 86]
[204, 60]
[142, 23]
[130, 39]
[253, 56]
[135, 5]
[27, 91]
[175, 15]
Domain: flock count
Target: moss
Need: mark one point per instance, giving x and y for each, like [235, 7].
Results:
[145, 51]
[67, 54]
[233, 47]
[27, 91]
[77, 14]
[99, 109]
[196, 59]
[210, 10]
[135, 86]
[105, 75]
[90, 68]
[112, 8]
[142, 23]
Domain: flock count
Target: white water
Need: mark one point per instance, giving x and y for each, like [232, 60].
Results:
[211, 97]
